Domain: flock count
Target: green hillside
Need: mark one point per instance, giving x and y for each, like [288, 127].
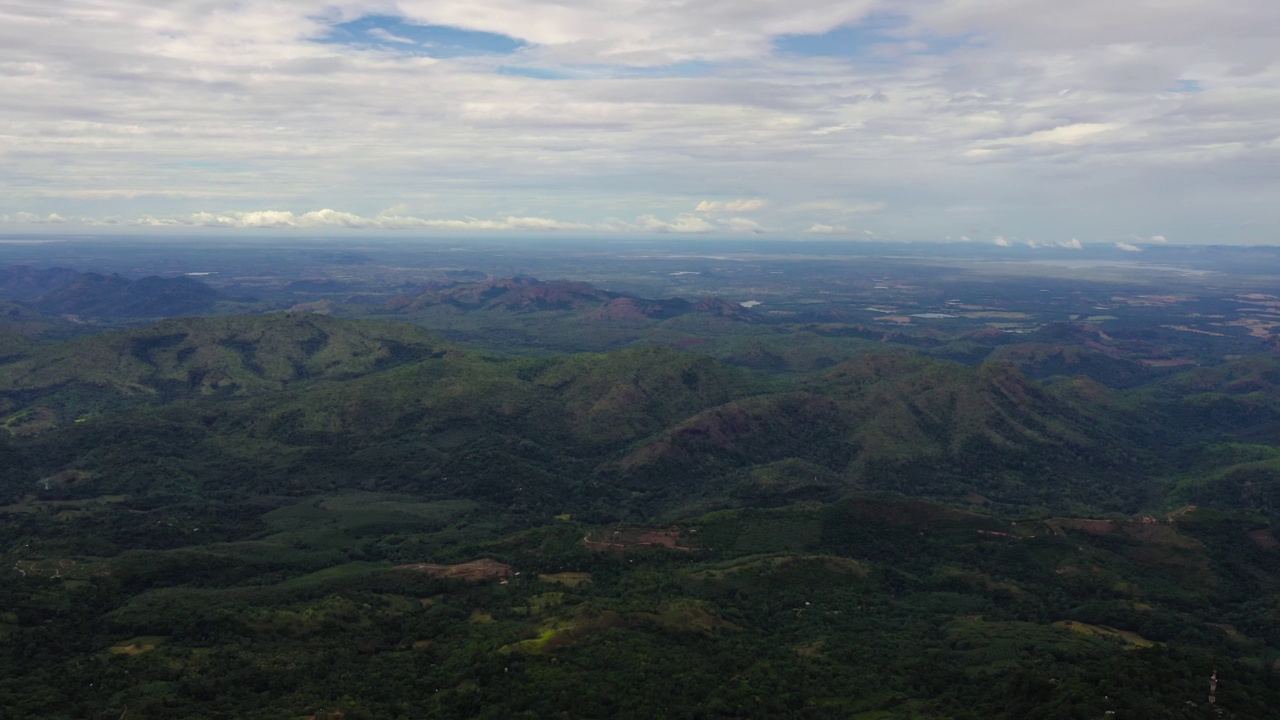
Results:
[291, 515]
[189, 357]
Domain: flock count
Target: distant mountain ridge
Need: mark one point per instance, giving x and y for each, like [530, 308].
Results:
[23, 282]
[97, 295]
[195, 357]
[526, 294]
[395, 404]
[61, 291]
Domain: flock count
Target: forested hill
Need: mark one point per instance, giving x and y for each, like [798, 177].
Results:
[642, 430]
[291, 515]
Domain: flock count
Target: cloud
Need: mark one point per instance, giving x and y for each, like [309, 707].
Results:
[27, 218]
[1073, 134]
[1157, 239]
[1128, 247]
[742, 225]
[684, 223]
[388, 36]
[839, 207]
[284, 219]
[327, 218]
[335, 219]
[825, 229]
[1072, 244]
[960, 113]
[1002, 241]
[714, 206]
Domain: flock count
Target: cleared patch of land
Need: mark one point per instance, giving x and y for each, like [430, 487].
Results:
[476, 570]
[571, 579]
[630, 538]
[138, 645]
[1131, 639]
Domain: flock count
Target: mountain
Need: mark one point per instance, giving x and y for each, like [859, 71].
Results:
[24, 282]
[96, 295]
[529, 295]
[292, 515]
[192, 357]
[518, 294]
[912, 425]
[24, 324]
[1047, 359]
[643, 430]
[628, 395]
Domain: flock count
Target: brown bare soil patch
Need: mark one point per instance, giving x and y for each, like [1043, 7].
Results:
[622, 539]
[137, 646]
[32, 422]
[1264, 539]
[1093, 527]
[476, 570]
[1146, 530]
[131, 649]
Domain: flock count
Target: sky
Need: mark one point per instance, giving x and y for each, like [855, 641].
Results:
[1013, 122]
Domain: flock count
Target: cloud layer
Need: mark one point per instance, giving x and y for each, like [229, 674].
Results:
[918, 119]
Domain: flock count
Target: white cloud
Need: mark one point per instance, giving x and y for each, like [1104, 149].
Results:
[334, 219]
[28, 218]
[1073, 134]
[132, 108]
[1002, 241]
[825, 229]
[388, 36]
[327, 218]
[1128, 247]
[684, 223]
[1157, 239]
[822, 229]
[743, 225]
[1072, 244]
[712, 206]
[839, 207]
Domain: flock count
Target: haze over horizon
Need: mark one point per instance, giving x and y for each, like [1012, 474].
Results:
[1011, 122]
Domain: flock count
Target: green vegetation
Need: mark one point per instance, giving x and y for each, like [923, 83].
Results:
[290, 515]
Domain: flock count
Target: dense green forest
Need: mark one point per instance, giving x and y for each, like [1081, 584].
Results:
[291, 515]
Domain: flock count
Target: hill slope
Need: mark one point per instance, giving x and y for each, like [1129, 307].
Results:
[201, 356]
[96, 295]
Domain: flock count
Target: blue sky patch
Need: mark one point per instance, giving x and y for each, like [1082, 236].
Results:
[386, 32]
[535, 73]
[683, 69]
[1186, 85]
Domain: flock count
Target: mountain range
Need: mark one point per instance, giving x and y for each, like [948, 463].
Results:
[281, 514]
[68, 292]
